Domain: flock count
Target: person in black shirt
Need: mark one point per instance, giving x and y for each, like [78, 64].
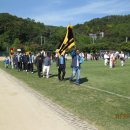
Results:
[25, 60]
[61, 67]
[39, 63]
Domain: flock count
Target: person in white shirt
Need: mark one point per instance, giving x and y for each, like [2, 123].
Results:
[122, 58]
[106, 59]
[46, 65]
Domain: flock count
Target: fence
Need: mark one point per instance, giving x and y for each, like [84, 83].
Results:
[3, 53]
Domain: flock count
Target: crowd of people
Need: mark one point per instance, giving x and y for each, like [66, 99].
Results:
[111, 57]
[42, 60]
[20, 61]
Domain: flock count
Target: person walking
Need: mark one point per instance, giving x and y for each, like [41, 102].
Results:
[106, 59]
[19, 59]
[61, 67]
[38, 63]
[25, 60]
[75, 65]
[30, 62]
[122, 58]
[6, 62]
[112, 60]
[12, 61]
[46, 65]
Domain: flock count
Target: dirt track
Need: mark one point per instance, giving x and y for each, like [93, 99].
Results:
[20, 109]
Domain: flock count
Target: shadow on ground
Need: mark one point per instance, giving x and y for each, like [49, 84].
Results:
[83, 80]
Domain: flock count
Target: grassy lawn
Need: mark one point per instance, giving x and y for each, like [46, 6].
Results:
[97, 107]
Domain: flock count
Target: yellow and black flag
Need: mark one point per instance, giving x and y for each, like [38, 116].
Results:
[67, 43]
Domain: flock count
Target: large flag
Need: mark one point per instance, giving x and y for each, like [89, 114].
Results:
[67, 43]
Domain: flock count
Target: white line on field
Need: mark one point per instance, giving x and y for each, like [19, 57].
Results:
[101, 90]
[119, 95]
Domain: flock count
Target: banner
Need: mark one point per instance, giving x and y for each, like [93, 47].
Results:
[67, 43]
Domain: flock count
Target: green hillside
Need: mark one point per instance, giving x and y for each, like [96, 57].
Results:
[29, 35]
[116, 31]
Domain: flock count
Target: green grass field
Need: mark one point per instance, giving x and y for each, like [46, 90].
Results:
[103, 98]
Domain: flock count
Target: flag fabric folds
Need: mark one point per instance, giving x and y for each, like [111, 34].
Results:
[67, 43]
[11, 51]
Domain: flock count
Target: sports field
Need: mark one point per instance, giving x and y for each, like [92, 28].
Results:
[103, 98]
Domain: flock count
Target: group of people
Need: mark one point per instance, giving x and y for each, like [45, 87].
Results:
[21, 61]
[111, 57]
[43, 64]
[43, 60]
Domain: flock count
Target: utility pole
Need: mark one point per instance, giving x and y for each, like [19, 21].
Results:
[92, 39]
[126, 39]
[41, 40]
[44, 40]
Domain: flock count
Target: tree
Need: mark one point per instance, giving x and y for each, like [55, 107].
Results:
[16, 43]
[15, 31]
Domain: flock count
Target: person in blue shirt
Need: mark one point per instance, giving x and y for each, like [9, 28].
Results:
[61, 67]
[30, 62]
[6, 62]
[75, 65]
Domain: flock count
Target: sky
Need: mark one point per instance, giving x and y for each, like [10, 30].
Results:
[64, 12]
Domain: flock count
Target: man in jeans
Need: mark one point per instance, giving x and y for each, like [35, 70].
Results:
[76, 61]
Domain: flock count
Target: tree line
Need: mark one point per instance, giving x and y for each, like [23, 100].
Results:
[107, 33]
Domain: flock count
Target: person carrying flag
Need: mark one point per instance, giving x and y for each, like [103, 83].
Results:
[75, 65]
